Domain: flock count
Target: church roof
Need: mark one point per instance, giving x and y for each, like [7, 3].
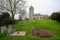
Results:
[37, 15]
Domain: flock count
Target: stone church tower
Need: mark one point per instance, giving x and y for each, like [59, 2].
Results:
[37, 16]
[31, 13]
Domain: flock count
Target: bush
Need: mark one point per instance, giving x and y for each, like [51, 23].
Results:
[55, 16]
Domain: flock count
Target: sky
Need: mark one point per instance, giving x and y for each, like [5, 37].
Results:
[44, 7]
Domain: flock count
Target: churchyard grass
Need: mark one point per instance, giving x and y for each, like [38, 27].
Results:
[26, 25]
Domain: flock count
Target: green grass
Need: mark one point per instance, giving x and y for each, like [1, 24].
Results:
[26, 25]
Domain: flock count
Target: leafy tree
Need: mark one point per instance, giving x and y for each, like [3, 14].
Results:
[5, 16]
[5, 19]
[12, 6]
[55, 16]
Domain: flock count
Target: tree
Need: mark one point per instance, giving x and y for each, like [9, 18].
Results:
[55, 16]
[4, 18]
[22, 13]
[12, 6]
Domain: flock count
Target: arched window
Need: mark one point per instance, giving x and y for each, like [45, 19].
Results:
[40, 17]
[34, 18]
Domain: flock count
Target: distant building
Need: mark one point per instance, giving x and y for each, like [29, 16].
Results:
[33, 16]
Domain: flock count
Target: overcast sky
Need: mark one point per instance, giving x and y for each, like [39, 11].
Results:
[45, 7]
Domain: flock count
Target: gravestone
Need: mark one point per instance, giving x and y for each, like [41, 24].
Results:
[18, 33]
[10, 29]
[3, 28]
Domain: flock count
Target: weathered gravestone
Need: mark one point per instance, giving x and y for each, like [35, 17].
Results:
[18, 33]
[3, 28]
[10, 29]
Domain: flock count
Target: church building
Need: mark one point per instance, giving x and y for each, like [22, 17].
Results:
[33, 16]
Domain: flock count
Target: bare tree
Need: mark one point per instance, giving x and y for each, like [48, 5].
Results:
[22, 14]
[12, 6]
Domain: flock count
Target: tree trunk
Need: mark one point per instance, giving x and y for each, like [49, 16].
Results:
[0, 29]
[12, 16]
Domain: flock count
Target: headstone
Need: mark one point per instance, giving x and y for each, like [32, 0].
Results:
[3, 28]
[10, 30]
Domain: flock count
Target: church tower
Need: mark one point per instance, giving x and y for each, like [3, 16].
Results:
[31, 13]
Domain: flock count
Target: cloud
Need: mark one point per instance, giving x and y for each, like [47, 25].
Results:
[44, 6]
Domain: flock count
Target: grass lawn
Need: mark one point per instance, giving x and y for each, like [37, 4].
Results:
[26, 25]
